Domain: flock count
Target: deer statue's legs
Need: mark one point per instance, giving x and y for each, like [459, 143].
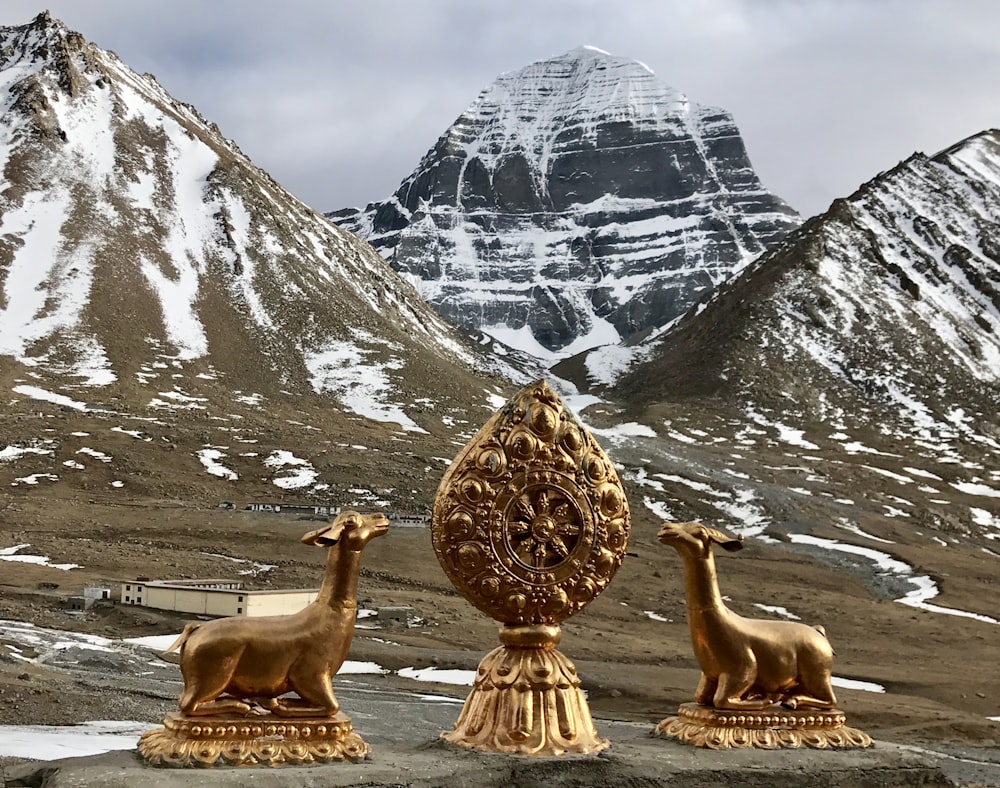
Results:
[193, 707]
[813, 693]
[706, 690]
[298, 707]
[316, 698]
[732, 689]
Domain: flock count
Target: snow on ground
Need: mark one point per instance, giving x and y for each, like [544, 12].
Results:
[154, 642]
[301, 474]
[34, 479]
[462, 678]
[359, 383]
[601, 335]
[45, 641]
[856, 447]
[680, 437]
[578, 402]
[743, 435]
[925, 474]
[746, 518]
[34, 392]
[132, 433]
[51, 742]
[846, 525]
[40, 297]
[177, 395]
[737, 507]
[10, 453]
[924, 587]
[175, 404]
[655, 616]
[781, 611]
[255, 567]
[890, 474]
[494, 400]
[366, 497]
[14, 554]
[854, 684]
[253, 400]
[970, 488]
[786, 434]
[606, 364]
[210, 459]
[694, 485]
[658, 508]
[619, 432]
[97, 455]
[351, 667]
[983, 517]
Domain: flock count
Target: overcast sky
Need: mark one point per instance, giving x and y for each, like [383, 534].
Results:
[339, 100]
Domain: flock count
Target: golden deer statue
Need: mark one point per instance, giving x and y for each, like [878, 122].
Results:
[746, 663]
[253, 661]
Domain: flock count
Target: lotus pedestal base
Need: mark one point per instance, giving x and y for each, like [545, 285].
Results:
[771, 728]
[526, 700]
[267, 740]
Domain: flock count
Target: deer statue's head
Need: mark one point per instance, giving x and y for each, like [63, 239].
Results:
[349, 529]
[696, 538]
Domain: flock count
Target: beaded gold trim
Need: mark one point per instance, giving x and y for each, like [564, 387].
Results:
[239, 741]
[718, 729]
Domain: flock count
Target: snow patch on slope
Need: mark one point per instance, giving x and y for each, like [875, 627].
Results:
[360, 383]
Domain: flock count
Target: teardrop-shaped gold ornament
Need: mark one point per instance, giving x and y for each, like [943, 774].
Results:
[530, 521]
[530, 524]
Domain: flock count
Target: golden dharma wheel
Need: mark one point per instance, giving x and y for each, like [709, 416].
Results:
[530, 522]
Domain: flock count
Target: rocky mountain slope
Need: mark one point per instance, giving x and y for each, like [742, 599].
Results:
[868, 342]
[890, 299]
[149, 271]
[578, 201]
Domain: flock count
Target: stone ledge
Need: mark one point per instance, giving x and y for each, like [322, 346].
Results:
[635, 760]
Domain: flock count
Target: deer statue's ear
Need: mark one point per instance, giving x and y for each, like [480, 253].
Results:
[327, 536]
[725, 541]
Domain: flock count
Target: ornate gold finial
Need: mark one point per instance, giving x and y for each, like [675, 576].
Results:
[530, 524]
[236, 671]
[763, 683]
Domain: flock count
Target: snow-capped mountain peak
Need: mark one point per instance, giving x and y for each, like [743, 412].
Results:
[578, 201]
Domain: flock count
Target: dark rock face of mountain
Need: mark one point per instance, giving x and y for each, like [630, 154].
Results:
[134, 236]
[577, 202]
[885, 310]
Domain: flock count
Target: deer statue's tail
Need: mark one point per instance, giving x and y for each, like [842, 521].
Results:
[178, 644]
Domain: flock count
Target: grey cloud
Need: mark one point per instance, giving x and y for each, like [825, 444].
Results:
[338, 101]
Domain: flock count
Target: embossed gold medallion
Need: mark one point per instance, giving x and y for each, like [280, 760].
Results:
[530, 524]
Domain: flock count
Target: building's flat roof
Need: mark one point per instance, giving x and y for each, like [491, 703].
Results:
[207, 585]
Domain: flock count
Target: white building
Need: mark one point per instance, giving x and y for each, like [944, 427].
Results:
[410, 520]
[214, 597]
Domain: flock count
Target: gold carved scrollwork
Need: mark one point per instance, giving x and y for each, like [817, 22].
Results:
[531, 521]
[525, 700]
[530, 524]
